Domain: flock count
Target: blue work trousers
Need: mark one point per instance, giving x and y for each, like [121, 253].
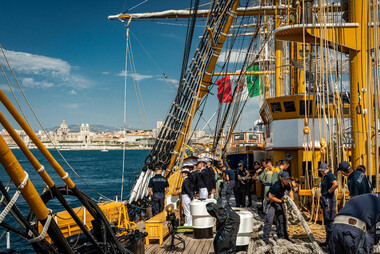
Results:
[346, 239]
[328, 205]
[158, 200]
[274, 209]
[230, 188]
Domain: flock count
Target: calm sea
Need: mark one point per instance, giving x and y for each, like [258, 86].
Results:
[102, 171]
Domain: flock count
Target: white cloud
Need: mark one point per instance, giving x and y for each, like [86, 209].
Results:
[135, 76]
[57, 71]
[36, 64]
[72, 92]
[30, 82]
[237, 56]
[105, 72]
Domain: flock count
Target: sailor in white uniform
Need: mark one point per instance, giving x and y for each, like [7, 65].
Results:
[187, 196]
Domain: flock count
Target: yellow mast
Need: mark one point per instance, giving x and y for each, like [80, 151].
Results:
[358, 78]
[279, 89]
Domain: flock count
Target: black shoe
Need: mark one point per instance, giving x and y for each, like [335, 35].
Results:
[324, 244]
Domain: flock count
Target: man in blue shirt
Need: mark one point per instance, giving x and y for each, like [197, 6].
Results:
[357, 181]
[158, 187]
[328, 200]
[230, 178]
[274, 206]
[354, 226]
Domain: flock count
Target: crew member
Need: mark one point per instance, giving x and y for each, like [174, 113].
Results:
[274, 206]
[268, 177]
[230, 178]
[357, 181]
[243, 175]
[284, 166]
[193, 177]
[363, 169]
[187, 194]
[211, 183]
[354, 226]
[202, 179]
[158, 187]
[328, 200]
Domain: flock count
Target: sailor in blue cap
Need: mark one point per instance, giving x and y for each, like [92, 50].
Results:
[158, 187]
[187, 194]
[354, 227]
[357, 182]
[328, 200]
[274, 206]
[202, 178]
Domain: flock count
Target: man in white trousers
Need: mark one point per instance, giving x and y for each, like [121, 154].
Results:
[187, 196]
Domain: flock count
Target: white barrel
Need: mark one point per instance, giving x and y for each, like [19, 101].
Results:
[245, 228]
[201, 218]
[203, 222]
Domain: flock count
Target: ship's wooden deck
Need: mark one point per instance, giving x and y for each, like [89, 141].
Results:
[196, 246]
[192, 245]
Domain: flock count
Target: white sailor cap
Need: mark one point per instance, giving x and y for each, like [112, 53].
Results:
[187, 165]
[185, 170]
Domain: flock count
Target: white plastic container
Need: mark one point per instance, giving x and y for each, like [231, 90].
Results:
[203, 222]
[245, 228]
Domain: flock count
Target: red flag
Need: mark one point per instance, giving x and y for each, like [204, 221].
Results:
[224, 90]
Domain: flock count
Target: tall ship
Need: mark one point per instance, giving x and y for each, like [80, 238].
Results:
[311, 66]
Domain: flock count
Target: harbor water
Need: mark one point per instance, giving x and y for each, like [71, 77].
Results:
[102, 171]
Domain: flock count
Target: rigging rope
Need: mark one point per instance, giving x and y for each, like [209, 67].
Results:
[14, 198]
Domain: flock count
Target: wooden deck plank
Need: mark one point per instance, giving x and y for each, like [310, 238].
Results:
[209, 246]
[190, 244]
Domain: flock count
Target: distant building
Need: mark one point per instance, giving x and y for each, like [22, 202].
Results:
[63, 134]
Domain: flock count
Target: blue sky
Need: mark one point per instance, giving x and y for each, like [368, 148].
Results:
[68, 57]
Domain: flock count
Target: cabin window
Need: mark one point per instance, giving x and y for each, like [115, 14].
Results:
[238, 137]
[309, 106]
[253, 137]
[276, 107]
[346, 110]
[289, 106]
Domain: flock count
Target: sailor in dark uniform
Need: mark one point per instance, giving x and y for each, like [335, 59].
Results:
[357, 181]
[157, 189]
[186, 196]
[328, 200]
[362, 169]
[243, 175]
[193, 177]
[354, 226]
[274, 207]
[202, 179]
[211, 183]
